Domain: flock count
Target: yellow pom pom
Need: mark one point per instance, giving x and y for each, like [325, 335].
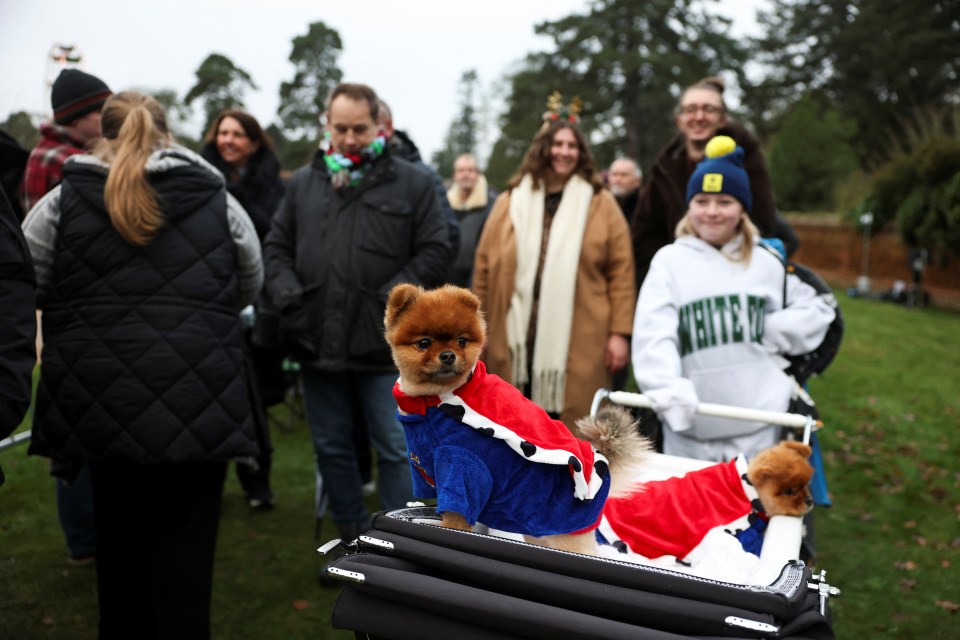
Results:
[720, 146]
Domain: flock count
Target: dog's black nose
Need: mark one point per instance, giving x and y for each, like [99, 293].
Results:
[448, 357]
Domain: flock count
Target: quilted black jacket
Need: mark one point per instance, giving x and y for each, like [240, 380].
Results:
[143, 354]
[18, 321]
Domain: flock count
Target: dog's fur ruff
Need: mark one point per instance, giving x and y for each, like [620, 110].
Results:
[436, 338]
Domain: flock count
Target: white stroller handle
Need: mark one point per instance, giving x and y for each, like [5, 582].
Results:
[14, 440]
[781, 419]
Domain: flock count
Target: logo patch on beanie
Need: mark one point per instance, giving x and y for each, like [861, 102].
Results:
[713, 183]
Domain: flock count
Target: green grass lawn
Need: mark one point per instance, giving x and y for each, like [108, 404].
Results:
[891, 542]
[265, 584]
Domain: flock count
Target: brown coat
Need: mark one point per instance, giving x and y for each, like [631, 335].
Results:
[663, 199]
[604, 300]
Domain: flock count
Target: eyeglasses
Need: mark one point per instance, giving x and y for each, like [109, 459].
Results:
[708, 109]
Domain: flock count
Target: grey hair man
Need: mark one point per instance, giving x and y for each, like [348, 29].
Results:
[624, 179]
[471, 200]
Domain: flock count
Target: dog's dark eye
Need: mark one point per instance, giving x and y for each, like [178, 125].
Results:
[423, 343]
[462, 342]
[789, 492]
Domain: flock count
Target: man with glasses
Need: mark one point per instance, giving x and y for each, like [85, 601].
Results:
[700, 115]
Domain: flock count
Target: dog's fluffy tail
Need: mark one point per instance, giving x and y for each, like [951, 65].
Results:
[614, 432]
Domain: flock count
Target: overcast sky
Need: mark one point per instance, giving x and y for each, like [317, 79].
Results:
[412, 53]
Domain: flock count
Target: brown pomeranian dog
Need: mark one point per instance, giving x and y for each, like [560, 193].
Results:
[483, 450]
[781, 475]
[671, 517]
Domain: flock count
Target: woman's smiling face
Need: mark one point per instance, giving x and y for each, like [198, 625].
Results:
[233, 143]
[564, 153]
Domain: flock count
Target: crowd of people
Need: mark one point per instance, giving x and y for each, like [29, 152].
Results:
[141, 254]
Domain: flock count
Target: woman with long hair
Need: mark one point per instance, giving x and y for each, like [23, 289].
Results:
[554, 273]
[143, 262]
[242, 151]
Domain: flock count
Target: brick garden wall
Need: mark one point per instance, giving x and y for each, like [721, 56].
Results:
[834, 249]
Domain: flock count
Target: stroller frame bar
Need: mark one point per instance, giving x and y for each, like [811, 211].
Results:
[780, 419]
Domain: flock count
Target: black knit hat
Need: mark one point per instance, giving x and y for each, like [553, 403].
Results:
[76, 93]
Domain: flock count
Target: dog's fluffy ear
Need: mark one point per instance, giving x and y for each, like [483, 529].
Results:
[470, 302]
[760, 472]
[464, 296]
[799, 447]
[401, 297]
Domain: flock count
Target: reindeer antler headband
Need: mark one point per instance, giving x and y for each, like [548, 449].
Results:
[557, 110]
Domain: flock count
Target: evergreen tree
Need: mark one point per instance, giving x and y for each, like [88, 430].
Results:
[220, 84]
[462, 135]
[529, 85]
[292, 154]
[21, 128]
[627, 60]
[302, 100]
[879, 61]
[810, 155]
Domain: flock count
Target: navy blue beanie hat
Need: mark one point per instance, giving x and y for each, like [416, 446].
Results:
[722, 172]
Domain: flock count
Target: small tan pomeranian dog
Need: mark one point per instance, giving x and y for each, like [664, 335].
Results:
[672, 516]
[483, 450]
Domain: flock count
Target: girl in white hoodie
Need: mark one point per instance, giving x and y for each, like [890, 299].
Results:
[711, 324]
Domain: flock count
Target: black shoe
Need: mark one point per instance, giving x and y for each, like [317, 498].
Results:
[81, 561]
[258, 504]
[260, 500]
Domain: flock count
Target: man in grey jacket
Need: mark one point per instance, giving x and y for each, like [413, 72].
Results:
[352, 224]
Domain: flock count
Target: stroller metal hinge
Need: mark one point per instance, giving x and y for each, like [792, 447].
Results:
[326, 548]
[376, 542]
[753, 625]
[346, 576]
[825, 591]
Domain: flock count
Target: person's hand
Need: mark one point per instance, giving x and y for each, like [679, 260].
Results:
[676, 403]
[617, 354]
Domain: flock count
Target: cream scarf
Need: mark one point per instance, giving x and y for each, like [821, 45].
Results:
[557, 286]
[476, 199]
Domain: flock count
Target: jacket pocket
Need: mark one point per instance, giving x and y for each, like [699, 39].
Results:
[300, 328]
[367, 341]
[385, 239]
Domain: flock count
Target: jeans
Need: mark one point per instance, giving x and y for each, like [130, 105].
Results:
[336, 402]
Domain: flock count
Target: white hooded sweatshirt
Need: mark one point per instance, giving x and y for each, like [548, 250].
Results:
[709, 328]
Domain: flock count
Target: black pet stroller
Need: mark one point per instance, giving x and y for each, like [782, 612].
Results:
[407, 579]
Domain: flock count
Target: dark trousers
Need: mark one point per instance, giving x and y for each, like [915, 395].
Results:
[157, 533]
[268, 386]
[255, 481]
[75, 511]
